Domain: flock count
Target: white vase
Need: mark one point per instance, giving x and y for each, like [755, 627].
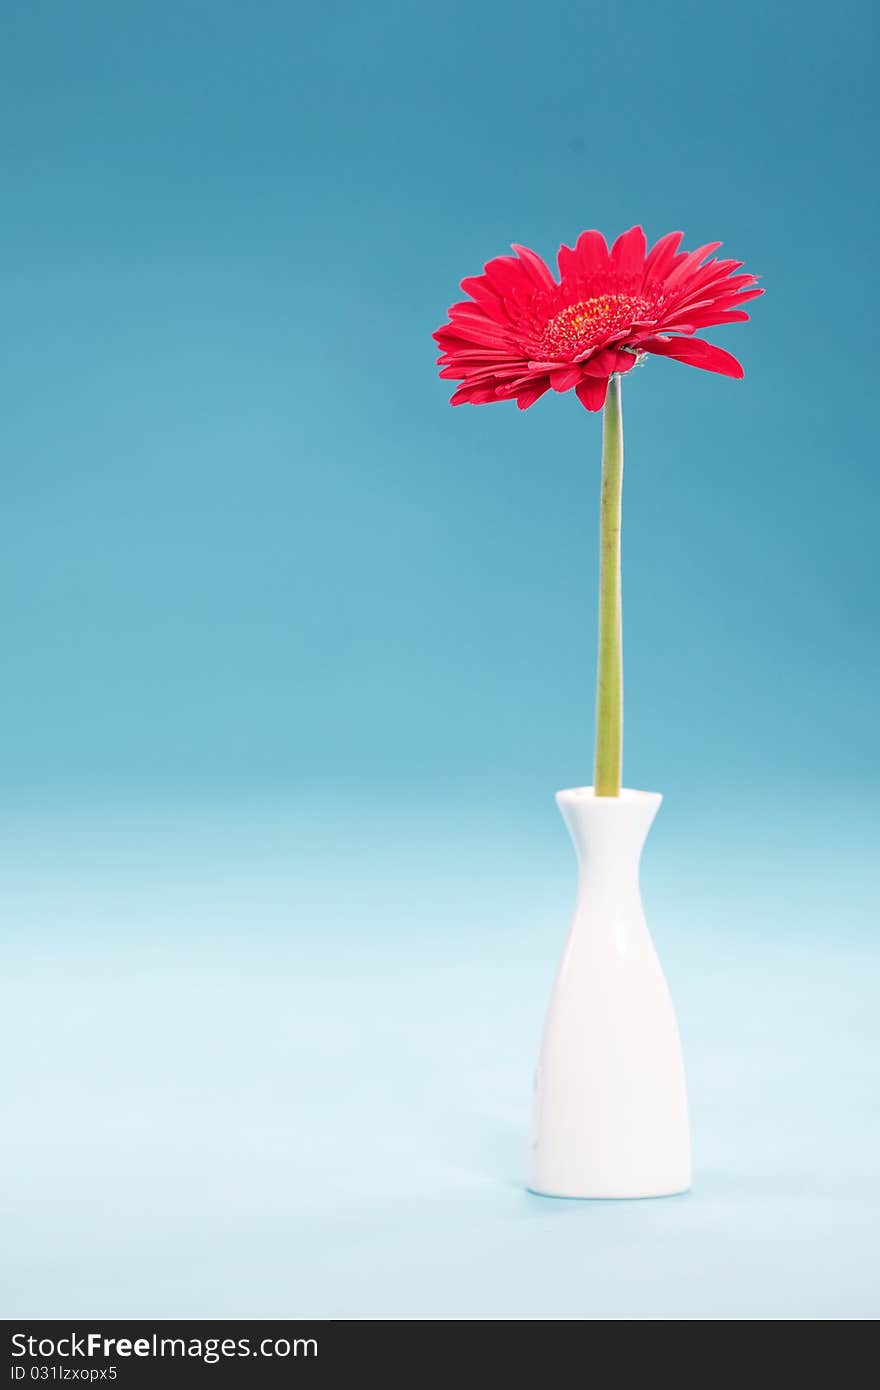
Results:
[610, 1109]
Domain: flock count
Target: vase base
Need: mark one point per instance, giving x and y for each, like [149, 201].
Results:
[642, 1196]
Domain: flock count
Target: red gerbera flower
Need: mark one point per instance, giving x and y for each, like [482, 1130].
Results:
[521, 333]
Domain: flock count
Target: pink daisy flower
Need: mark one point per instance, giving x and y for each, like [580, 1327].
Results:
[521, 331]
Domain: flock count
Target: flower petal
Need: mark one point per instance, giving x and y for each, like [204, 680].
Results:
[708, 318]
[474, 395]
[591, 252]
[729, 300]
[532, 393]
[628, 255]
[563, 380]
[686, 268]
[696, 353]
[567, 260]
[477, 286]
[467, 321]
[592, 392]
[507, 276]
[608, 360]
[536, 268]
[661, 256]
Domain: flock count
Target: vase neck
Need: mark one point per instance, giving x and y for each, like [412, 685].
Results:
[608, 832]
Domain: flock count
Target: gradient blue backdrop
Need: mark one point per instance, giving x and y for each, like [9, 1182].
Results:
[294, 657]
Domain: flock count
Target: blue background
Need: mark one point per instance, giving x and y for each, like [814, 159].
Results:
[295, 656]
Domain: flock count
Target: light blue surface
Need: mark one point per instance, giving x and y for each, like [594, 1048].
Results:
[271, 1063]
[294, 658]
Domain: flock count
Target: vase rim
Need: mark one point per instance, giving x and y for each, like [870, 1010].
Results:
[629, 796]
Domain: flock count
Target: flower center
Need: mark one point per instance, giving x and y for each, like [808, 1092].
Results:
[591, 322]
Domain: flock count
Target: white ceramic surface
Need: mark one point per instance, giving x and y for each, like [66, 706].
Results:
[610, 1109]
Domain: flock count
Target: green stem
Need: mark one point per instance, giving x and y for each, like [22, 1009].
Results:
[609, 685]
